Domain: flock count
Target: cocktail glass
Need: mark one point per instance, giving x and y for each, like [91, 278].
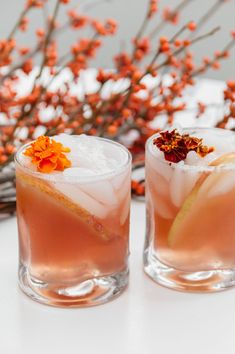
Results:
[190, 233]
[73, 232]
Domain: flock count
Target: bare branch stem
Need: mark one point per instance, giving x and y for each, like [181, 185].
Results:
[162, 24]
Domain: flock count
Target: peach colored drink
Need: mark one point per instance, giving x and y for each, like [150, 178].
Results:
[190, 238]
[74, 225]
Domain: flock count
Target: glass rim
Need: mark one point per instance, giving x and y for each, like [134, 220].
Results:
[99, 176]
[185, 167]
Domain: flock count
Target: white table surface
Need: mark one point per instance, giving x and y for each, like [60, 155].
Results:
[147, 318]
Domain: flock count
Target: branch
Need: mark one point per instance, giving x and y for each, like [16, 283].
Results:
[48, 38]
[178, 51]
[162, 24]
[229, 46]
[18, 66]
[18, 22]
[211, 11]
[142, 27]
[25, 113]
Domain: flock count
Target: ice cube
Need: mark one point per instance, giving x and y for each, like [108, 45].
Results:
[119, 180]
[27, 162]
[124, 188]
[77, 172]
[209, 158]
[77, 196]
[102, 191]
[164, 209]
[66, 140]
[92, 153]
[162, 167]
[85, 152]
[162, 185]
[115, 155]
[193, 159]
[177, 186]
[221, 140]
[191, 176]
[218, 184]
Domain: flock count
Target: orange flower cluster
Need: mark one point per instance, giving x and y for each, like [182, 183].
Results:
[48, 155]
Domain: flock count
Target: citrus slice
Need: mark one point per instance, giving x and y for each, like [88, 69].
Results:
[83, 214]
[206, 178]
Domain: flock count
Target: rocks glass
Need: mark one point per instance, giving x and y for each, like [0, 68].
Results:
[74, 225]
[190, 236]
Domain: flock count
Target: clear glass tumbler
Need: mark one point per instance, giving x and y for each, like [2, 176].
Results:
[190, 233]
[74, 233]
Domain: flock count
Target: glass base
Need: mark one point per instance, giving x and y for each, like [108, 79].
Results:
[91, 292]
[203, 281]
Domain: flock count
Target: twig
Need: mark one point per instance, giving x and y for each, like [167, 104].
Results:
[162, 24]
[46, 43]
[178, 51]
[211, 11]
[19, 66]
[229, 46]
[18, 22]
[45, 14]
[47, 39]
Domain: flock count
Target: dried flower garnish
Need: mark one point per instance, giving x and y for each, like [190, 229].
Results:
[48, 155]
[176, 146]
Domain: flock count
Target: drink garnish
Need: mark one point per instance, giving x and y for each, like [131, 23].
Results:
[84, 215]
[48, 155]
[175, 232]
[176, 146]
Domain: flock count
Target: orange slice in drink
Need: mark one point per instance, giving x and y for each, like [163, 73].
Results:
[84, 215]
[188, 224]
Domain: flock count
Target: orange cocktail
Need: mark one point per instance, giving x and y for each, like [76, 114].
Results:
[190, 239]
[74, 224]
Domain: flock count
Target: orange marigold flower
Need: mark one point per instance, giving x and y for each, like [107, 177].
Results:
[48, 155]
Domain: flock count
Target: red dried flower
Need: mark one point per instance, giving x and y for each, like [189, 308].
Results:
[176, 146]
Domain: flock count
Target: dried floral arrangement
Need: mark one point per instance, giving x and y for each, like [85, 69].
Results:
[130, 108]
